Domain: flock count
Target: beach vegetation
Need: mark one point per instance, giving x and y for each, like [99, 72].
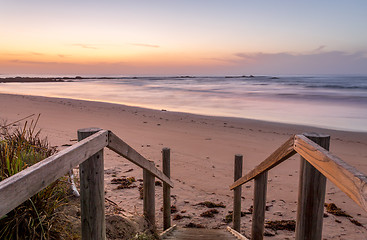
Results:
[144, 236]
[37, 217]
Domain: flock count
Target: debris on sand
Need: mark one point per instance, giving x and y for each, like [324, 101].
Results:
[228, 218]
[124, 182]
[209, 204]
[193, 225]
[141, 191]
[355, 222]
[209, 213]
[173, 209]
[333, 209]
[179, 217]
[289, 225]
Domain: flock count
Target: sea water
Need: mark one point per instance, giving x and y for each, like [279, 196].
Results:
[334, 102]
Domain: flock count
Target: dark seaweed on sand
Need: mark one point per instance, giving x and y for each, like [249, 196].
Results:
[289, 225]
[209, 213]
[124, 182]
[209, 204]
[193, 225]
[179, 217]
[333, 209]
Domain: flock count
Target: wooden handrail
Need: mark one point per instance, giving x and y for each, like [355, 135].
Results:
[122, 148]
[23, 185]
[351, 181]
[317, 165]
[278, 156]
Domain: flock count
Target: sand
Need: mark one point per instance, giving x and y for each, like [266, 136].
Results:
[202, 157]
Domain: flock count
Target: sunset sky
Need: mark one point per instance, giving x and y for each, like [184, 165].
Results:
[188, 37]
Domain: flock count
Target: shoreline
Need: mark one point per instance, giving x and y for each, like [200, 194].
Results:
[223, 118]
[305, 103]
[202, 156]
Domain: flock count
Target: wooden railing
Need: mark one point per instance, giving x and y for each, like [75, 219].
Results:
[317, 164]
[88, 154]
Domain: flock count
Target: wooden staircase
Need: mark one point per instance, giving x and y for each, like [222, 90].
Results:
[199, 234]
[317, 165]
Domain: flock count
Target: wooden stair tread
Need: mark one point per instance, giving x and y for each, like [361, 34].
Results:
[200, 233]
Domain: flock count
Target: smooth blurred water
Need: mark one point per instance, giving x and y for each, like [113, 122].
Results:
[335, 102]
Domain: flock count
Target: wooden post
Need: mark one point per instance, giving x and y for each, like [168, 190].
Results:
[149, 197]
[92, 199]
[238, 160]
[258, 214]
[311, 195]
[166, 189]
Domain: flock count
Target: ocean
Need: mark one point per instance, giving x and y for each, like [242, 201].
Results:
[333, 102]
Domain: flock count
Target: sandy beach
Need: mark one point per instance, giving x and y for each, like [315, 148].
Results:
[202, 157]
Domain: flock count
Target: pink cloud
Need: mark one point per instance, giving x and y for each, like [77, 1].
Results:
[144, 45]
[333, 62]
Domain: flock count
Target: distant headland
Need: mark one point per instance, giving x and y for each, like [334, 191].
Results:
[35, 79]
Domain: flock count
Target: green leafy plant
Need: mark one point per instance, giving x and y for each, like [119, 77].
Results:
[37, 217]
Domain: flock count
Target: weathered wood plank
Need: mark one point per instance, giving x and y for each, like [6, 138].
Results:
[238, 160]
[311, 195]
[167, 232]
[149, 197]
[281, 154]
[21, 186]
[92, 199]
[236, 234]
[122, 148]
[347, 178]
[258, 215]
[166, 165]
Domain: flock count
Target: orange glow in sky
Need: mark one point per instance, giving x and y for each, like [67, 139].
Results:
[182, 37]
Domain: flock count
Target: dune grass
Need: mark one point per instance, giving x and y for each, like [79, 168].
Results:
[36, 218]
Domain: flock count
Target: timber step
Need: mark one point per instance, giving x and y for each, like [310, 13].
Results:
[199, 234]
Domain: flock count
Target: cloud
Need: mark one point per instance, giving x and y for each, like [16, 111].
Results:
[36, 53]
[12, 54]
[319, 49]
[63, 55]
[32, 62]
[145, 45]
[87, 46]
[217, 59]
[332, 62]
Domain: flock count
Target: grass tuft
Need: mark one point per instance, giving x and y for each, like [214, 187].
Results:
[37, 217]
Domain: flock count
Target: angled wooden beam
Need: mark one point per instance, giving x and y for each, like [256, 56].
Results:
[281, 154]
[122, 148]
[351, 181]
[21, 186]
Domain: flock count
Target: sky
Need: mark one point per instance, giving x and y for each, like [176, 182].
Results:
[182, 37]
